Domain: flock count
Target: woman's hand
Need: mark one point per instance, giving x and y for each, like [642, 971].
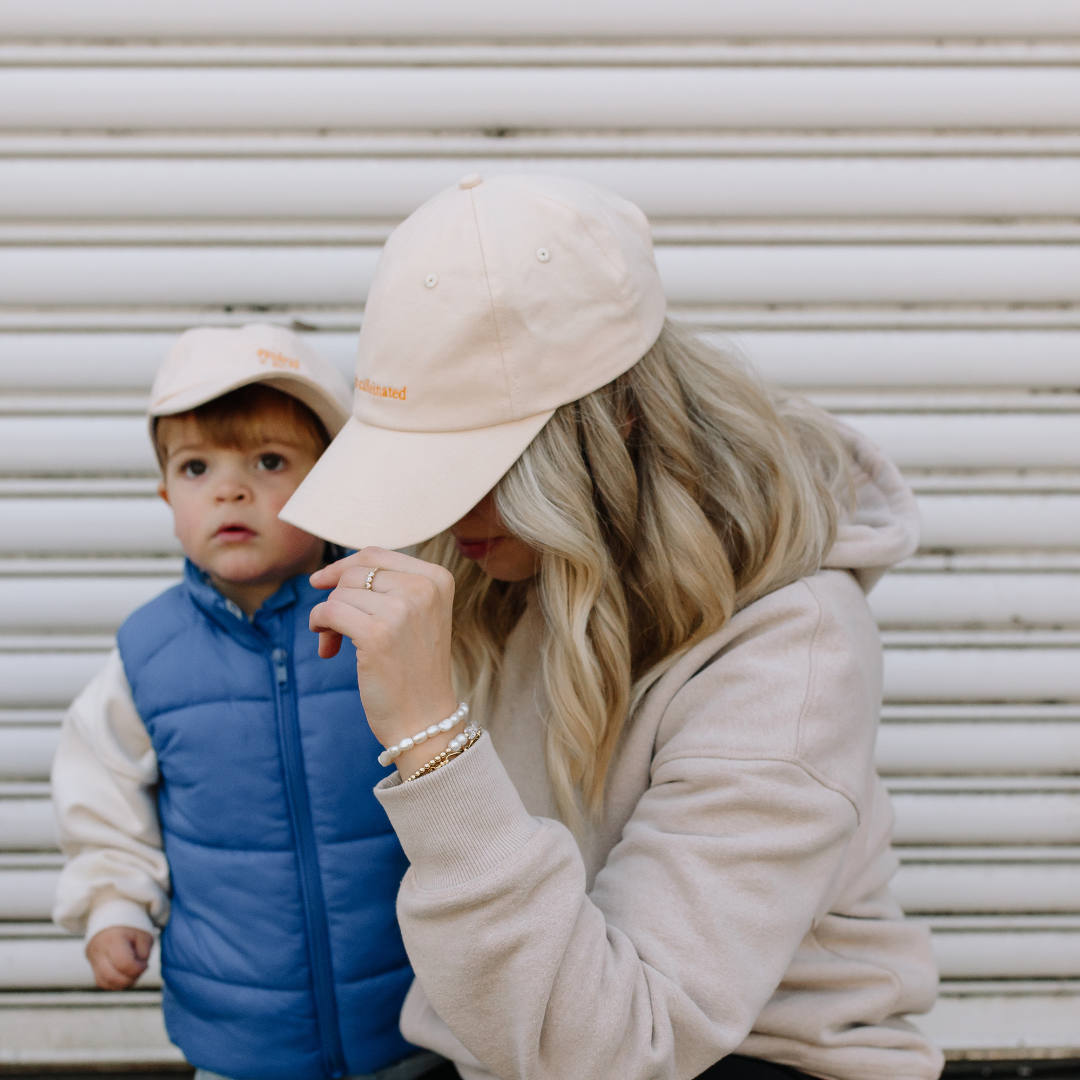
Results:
[401, 628]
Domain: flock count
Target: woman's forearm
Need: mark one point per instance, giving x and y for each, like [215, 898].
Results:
[540, 979]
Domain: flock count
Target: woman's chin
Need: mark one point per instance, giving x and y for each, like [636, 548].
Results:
[506, 570]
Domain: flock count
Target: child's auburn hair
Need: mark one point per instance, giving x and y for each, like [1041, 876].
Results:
[246, 417]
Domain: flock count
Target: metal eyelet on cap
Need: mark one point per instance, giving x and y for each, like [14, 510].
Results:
[431, 280]
[543, 254]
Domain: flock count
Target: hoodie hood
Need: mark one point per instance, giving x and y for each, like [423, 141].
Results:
[883, 528]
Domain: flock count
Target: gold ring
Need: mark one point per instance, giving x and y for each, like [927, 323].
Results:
[371, 577]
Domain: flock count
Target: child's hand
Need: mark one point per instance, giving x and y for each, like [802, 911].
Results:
[118, 955]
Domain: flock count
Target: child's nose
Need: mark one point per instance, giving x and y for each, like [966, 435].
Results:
[232, 491]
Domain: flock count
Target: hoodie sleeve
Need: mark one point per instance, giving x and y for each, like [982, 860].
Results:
[103, 781]
[662, 967]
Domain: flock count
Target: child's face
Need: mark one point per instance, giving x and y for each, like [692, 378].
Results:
[225, 503]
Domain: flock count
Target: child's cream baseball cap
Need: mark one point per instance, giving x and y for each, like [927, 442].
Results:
[493, 304]
[210, 361]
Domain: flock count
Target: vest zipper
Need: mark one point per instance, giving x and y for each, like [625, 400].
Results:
[326, 1013]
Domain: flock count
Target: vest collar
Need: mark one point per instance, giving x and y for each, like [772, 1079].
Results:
[255, 633]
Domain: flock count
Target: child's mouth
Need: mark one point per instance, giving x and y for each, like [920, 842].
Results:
[234, 534]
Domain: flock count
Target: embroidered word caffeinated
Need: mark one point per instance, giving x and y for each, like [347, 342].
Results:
[276, 359]
[380, 391]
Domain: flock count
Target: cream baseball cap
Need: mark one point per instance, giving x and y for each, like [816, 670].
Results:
[493, 304]
[209, 361]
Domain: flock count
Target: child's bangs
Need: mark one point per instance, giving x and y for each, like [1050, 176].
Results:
[249, 417]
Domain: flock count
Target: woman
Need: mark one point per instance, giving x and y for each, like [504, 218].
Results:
[646, 575]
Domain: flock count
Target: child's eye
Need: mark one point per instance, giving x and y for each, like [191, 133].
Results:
[271, 462]
[193, 468]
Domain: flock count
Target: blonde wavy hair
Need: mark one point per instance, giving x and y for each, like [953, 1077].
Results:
[662, 503]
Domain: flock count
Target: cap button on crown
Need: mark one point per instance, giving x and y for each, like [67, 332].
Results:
[470, 181]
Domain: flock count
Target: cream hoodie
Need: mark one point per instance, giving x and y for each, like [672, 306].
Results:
[734, 896]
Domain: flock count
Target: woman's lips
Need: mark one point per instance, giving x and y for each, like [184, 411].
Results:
[476, 549]
[234, 533]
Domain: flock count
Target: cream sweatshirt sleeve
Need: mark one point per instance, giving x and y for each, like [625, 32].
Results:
[103, 781]
[663, 966]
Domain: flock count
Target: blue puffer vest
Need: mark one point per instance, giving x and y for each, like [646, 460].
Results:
[282, 958]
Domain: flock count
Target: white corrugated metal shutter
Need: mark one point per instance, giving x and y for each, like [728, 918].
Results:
[879, 202]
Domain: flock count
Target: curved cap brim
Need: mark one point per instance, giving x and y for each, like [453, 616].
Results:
[378, 486]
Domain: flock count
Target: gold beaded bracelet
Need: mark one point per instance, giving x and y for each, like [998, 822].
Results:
[445, 756]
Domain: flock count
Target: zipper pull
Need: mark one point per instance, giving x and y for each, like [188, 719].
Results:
[279, 656]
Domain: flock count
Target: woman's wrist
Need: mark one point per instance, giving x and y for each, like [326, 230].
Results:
[425, 741]
[458, 745]
[419, 756]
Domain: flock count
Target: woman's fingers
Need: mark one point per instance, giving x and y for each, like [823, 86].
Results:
[348, 612]
[329, 576]
[363, 562]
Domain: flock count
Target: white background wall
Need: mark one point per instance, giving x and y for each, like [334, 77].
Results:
[879, 204]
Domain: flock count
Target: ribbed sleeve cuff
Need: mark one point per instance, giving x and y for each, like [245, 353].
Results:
[119, 913]
[460, 821]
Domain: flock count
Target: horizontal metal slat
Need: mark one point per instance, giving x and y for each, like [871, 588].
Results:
[87, 526]
[26, 753]
[89, 603]
[81, 1028]
[59, 963]
[970, 1019]
[999, 521]
[470, 98]
[382, 189]
[56, 964]
[104, 362]
[926, 818]
[481, 19]
[143, 526]
[693, 274]
[982, 674]
[46, 679]
[957, 673]
[972, 818]
[912, 358]
[718, 317]
[128, 361]
[27, 825]
[987, 888]
[75, 444]
[908, 273]
[1016, 441]
[49, 603]
[969, 887]
[974, 749]
[254, 276]
[610, 53]
[996, 954]
[40, 602]
[120, 444]
[988, 1020]
[974, 599]
[27, 894]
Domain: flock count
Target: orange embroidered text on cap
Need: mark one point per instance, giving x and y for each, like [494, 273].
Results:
[276, 359]
[375, 390]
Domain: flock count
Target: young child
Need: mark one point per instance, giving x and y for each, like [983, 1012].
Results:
[215, 779]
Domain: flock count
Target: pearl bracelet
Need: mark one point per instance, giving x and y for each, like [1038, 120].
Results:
[452, 721]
